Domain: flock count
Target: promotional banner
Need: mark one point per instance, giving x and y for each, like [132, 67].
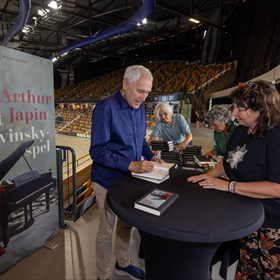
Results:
[188, 112]
[28, 193]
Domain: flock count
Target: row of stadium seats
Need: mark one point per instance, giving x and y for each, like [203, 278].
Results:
[169, 77]
[74, 121]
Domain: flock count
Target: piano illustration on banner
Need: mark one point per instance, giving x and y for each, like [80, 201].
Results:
[22, 190]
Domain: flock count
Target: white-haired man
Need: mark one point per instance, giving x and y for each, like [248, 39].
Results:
[117, 144]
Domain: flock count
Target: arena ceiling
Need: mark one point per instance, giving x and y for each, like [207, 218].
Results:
[49, 30]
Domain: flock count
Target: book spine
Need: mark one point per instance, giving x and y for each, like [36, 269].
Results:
[170, 202]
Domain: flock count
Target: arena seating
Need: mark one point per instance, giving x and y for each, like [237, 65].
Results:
[169, 77]
[74, 121]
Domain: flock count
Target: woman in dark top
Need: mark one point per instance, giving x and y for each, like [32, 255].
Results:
[252, 164]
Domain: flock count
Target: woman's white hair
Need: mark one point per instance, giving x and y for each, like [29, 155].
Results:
[163, 106]
[218, 113]
[132, 73]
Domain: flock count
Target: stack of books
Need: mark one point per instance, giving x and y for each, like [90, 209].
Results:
[162, 146]
[173, 157]
[188, 161]
[189, 152]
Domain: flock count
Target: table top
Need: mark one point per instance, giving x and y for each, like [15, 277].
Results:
[199, 215]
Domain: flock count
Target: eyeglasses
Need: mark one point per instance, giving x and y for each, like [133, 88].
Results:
[251, 87]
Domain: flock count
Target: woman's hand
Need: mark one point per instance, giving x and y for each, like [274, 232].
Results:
[207, 182]
[214, 183]
[198, 178]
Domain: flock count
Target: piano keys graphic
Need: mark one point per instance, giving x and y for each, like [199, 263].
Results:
[24, 189]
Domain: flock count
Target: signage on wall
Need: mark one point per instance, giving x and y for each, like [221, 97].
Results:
[171, 97]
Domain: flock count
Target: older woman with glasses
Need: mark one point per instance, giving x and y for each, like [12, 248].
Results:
[220, 119]
[252, 164]
[171, 127]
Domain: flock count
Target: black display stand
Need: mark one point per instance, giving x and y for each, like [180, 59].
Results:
[180, 243]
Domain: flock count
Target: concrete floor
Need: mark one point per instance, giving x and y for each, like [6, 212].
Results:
[74, 257]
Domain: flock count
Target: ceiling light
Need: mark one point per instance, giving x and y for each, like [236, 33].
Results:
[53, 5]
[138, 24]
[194, 20]
[25, 29]
[41, 13]
[204, 34]
[144, 21]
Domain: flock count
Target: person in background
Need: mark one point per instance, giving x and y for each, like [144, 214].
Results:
[252, 164]
[201, 118]
[117, 144]
[171, 127]
[220, 120]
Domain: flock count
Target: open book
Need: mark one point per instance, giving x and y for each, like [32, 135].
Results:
[159, 174]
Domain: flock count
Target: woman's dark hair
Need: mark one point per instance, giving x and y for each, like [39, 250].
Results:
[259, 96]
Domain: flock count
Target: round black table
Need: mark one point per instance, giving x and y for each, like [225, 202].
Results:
[181, 242]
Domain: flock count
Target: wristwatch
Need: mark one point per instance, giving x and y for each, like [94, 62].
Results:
[231, 186]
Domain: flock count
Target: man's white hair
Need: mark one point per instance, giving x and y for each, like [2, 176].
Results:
[132, 73]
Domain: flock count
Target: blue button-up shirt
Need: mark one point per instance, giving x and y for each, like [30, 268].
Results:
[117, 138]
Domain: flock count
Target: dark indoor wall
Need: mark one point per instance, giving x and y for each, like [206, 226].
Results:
[253, 36]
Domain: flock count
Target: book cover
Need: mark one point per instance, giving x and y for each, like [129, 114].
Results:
[163, 149]
[156, 201]
[163, 145]
[161, 142]
[170, 154]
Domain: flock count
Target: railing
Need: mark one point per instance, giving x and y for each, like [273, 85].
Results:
[62, 154]
[77, 162]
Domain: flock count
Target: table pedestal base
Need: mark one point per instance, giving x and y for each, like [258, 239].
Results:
[171, 259]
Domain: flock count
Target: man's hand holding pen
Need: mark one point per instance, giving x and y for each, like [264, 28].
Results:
[144, 166]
